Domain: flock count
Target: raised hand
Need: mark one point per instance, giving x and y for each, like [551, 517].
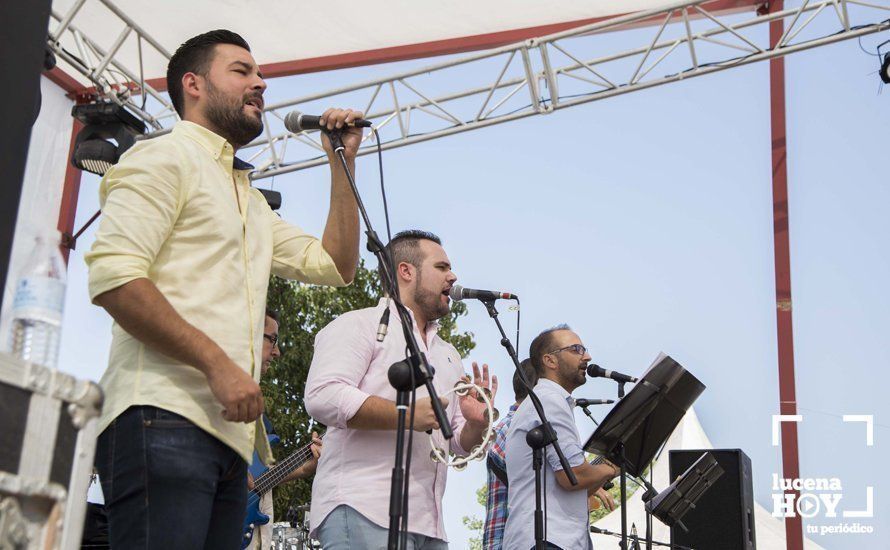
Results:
[338, 119]
[471, 405]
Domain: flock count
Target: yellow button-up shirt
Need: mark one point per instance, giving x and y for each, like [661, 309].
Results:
[179, 211]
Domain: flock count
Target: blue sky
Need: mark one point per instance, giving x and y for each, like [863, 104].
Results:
[645, 222]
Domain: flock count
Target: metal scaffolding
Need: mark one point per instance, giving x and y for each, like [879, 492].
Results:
[679, 41]
[541, 75]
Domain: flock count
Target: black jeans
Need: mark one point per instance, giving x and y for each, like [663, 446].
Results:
[169, 485]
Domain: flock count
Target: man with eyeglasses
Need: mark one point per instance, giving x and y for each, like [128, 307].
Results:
[560, 359]
[263, 536]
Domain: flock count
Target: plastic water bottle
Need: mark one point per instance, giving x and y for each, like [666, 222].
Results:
[38, 303]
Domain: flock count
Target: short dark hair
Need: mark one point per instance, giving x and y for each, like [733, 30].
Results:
[194, 56]
[542, 345]
[520, 392]
[271, 313]
[405, 247]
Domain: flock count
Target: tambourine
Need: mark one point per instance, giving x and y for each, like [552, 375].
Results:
[460, 389]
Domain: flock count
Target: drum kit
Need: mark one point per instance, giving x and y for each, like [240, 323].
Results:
[294, 533]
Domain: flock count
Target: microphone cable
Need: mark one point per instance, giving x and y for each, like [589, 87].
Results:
[393, 284]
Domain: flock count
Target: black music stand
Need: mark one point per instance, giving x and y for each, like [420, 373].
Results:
[640, 423]
[671, 505]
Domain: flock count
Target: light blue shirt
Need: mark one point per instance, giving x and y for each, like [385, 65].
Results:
[567, 515]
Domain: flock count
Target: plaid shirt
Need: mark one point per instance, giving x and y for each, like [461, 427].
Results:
[496, 506]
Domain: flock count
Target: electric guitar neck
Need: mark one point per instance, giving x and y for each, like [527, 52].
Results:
[275, 475]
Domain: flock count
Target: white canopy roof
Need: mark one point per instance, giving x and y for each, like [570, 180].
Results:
[290, 37]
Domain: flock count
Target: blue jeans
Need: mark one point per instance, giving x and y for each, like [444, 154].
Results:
[169, 485]
[346, 529]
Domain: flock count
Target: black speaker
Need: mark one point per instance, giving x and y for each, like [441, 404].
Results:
[723, 519]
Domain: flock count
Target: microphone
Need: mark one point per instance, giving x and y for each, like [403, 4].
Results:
[296, 122]
[581, 402]
[459, 293]
[594, 371]
[383, 327]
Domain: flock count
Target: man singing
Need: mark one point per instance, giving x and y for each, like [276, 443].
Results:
[348, 390]
[560, 360]
[181, 261]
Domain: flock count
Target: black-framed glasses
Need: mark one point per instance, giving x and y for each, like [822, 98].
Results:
[574, 348]
[272, 338]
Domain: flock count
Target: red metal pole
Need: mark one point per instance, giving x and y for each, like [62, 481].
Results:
[70, 192]
[782, 262]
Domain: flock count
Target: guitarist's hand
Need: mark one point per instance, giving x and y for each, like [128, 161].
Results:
[599, 498]
[309, 467]
[312, 464]
[250, 484]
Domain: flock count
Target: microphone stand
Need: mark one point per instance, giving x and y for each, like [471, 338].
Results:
[404, 376]
[537, 438]
[649, 493]
[589, 415]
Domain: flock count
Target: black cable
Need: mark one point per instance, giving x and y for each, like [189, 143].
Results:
[409, 446]
[518, 313]
[403, 528]
[382, 187]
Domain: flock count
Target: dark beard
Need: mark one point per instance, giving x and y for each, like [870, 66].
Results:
[570, 375]
[228, 117]
[429, 302]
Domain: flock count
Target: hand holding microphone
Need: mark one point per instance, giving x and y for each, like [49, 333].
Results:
[346, 122]
[332, 119]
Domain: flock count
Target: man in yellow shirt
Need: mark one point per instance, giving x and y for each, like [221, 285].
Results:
[181, 261]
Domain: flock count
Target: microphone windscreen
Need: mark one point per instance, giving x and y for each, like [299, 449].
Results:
[292, 122]
[456, 293]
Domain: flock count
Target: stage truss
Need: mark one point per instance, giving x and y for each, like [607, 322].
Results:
[534, 77]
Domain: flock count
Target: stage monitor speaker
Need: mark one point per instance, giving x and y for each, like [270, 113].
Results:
[723, 519]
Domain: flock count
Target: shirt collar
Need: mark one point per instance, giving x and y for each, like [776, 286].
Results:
[430, 326]
[557, 388]
[214, 143]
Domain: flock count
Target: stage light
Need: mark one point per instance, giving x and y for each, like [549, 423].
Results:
[272, 197]
[109, 130]
[885, 69]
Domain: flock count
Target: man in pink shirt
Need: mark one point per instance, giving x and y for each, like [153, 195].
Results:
[348, 390]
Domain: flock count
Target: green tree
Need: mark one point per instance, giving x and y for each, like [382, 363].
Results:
[304, 310]
[473, 523]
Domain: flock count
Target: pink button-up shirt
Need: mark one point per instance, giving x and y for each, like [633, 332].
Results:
[349, 365]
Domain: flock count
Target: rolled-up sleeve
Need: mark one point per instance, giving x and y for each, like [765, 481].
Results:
[300, 256]
[343, 351]
[457, 418]
[140, 202]
[566, 433]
